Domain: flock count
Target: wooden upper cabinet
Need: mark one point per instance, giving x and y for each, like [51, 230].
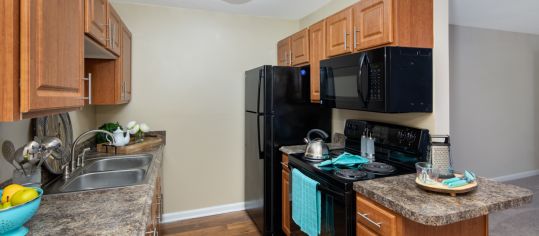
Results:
[52, 54]
[338, 32]
[284, 56]
[373, 23]
[317, 48]
[95, 24]
[125, 58]
[111, 78]
[300, 47]
[115, 31]
[9, 61]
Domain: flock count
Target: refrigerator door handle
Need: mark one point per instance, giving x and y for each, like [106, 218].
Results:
[260, 148]
[260, 76]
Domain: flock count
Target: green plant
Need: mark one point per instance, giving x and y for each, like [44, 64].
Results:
[111, 127]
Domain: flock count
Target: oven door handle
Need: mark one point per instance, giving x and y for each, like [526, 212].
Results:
[328, 190]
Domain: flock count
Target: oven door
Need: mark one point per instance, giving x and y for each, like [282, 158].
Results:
[338, 208]
[337, 214]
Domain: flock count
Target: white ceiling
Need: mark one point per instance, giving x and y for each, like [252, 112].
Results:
[508, 15]
[283, 9]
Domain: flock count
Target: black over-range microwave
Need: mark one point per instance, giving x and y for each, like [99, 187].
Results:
[388, 79]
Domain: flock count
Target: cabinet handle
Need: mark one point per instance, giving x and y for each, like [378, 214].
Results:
[290, 62]
[113, 36]
[89, 98]
[110, 34]
[364, 216]
[345, 46]
[355, 36]
[284, 164]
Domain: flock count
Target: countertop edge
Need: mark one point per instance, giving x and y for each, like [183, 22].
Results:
[431, 220]
[447, 218]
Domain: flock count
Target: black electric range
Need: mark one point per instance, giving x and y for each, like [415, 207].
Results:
[397, 149]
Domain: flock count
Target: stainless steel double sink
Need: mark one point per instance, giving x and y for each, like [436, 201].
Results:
[105, 172]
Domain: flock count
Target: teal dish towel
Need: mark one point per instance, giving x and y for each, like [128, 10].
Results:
[346, 159]
[306, 203]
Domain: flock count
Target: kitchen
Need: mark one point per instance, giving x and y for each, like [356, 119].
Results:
[173, 90]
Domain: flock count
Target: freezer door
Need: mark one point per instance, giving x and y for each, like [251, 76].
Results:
[254, 168]
[255, 80]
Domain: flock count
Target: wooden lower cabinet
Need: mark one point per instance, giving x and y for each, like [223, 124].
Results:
[361, 230]
[285, 207]
[153, 227]
[374, 219]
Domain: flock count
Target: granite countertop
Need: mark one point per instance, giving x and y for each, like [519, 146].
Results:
[115, 211]
[400, 194]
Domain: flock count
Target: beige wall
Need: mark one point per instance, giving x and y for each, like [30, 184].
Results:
[20, 133]
[188, 70]
[438, 121]
[494, 101]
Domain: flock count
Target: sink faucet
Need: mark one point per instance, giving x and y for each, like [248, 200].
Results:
[73, 161]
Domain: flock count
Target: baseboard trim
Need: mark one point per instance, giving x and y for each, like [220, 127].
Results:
[515, 176]
[208, 211]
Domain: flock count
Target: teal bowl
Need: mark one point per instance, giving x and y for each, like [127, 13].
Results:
[13, 219]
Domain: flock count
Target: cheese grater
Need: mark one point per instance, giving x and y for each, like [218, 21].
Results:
[440, 156]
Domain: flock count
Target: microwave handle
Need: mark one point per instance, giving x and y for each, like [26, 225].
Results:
[363, 61]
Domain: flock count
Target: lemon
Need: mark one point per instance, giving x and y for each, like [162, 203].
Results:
[23, 196]
[9, 191]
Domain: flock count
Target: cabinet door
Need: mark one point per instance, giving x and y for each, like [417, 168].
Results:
[113, 44]
[286, 200]
[126, 64]
[52, 54]
[317, 38]
[96, 20]
[283, 53]
[373, 25]
[361, 230]
[300, 47]
[9, 61]
[338, 31]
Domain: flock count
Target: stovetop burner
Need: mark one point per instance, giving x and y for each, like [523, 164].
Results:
[351, 174]
[379, 168]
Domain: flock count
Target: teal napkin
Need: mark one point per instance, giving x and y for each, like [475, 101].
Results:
[306, 203]
[345, 159]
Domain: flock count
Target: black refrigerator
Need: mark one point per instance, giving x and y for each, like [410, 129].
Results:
[278, 112]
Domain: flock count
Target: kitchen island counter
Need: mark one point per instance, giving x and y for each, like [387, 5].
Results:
[401, 195]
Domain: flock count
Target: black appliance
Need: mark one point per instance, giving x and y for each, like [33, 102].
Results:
[388, 79]
[278, 112]
[398, 148]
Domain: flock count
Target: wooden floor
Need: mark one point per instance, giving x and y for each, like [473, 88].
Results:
[230, 224]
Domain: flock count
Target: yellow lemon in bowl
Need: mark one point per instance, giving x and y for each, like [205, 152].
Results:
[23, 196]
[9, 191]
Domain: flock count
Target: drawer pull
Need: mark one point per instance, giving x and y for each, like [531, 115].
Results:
[364, 216]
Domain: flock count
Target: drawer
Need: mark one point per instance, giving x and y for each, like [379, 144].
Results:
[379, 220]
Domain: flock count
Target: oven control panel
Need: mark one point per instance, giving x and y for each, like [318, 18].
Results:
[390, 136]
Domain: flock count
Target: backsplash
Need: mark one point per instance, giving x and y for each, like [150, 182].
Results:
[417, 120]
